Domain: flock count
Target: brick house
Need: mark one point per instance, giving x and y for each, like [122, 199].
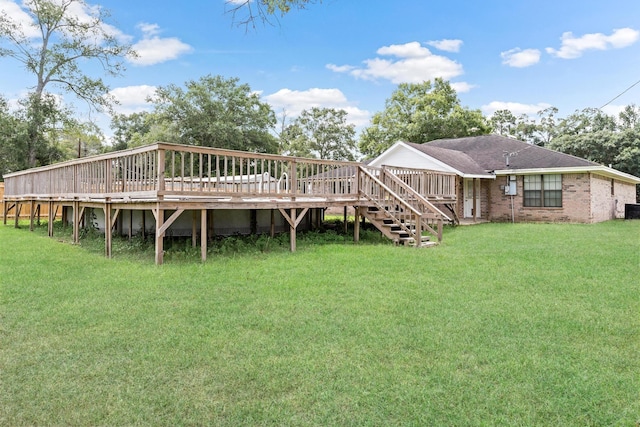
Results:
[502, 179]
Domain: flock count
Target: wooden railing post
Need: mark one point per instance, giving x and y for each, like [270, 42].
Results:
[294, 178]
[161, 158]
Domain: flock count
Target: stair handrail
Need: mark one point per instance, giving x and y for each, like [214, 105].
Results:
[419, 198]
[417, 232]
[414, 193]
[410, 191]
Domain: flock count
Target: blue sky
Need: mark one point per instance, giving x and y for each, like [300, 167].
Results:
[522, 55]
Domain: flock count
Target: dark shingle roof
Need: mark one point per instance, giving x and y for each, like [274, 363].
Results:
[456, 159]
[488, 152]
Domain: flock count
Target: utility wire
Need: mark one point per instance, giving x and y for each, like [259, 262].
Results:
[619, 95]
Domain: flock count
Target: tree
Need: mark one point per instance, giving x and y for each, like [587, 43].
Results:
[138, 129]
[630, 117]
[421, 112]
[596, 136]
[503, 122]
[77, 140]
[13, 134]
[216, 112]
[262, 9]
[321, 133]
[52, 48]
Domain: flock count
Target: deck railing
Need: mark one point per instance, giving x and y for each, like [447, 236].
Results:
[164, 170]
[430, 184]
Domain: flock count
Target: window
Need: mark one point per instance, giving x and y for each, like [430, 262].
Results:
[543, 191]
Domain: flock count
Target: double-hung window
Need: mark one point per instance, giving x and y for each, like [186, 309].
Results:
[543, 191]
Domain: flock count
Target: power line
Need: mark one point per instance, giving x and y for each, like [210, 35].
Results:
[619, 95]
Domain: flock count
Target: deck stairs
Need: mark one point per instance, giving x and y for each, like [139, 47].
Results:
[399, 211]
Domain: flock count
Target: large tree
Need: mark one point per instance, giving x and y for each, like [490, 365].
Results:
[60, 38]
[321, 133]
[538, 131]
[421, 112]
[216, 112]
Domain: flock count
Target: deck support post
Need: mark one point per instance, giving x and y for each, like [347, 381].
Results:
[161, 229]
[203, 234]
[32, 209]
[50, 219]
[356, 224]
[107, 229]
[17, 218]
[294, 220]
[292, 230]
[76, 222]
[4, 212]
[159, 214]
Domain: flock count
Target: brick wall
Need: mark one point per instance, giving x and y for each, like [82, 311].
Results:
[576, 202]
[608, 197]
[586, 198]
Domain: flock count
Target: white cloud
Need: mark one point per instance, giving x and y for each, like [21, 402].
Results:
[132, 99]
[293, 102]
[154, 50]
[461, 87]
[573, 47]
[515, 107]
[340, 68]
[448, 45]
[520, 58]
[414, 63]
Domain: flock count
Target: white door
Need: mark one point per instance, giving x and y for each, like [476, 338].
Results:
[468, 198]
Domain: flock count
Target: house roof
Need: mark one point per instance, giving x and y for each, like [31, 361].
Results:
[490, 153]
[458, 160]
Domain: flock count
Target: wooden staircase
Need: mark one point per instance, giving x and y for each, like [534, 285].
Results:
[398, 230]
[398, 211]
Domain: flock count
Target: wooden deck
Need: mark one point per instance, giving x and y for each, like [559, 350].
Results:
[168, 179]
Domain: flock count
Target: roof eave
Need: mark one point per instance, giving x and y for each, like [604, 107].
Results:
[600, 170]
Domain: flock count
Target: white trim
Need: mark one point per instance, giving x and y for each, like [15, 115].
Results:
[599, 170]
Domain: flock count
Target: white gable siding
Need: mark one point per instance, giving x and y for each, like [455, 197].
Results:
[404, 156]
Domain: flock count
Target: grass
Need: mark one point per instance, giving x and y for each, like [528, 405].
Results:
[526, 324]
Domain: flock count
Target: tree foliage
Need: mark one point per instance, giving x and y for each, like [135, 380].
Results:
[61, 137]
[418, 113]
[321, 133]
[601, 138]
[537, 131]
[213, 112]
[136, 129]
[52, 49]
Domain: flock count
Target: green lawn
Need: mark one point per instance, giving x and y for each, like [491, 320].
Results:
[527, 324]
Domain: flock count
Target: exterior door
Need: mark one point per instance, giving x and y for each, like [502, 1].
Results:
[468, 198]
